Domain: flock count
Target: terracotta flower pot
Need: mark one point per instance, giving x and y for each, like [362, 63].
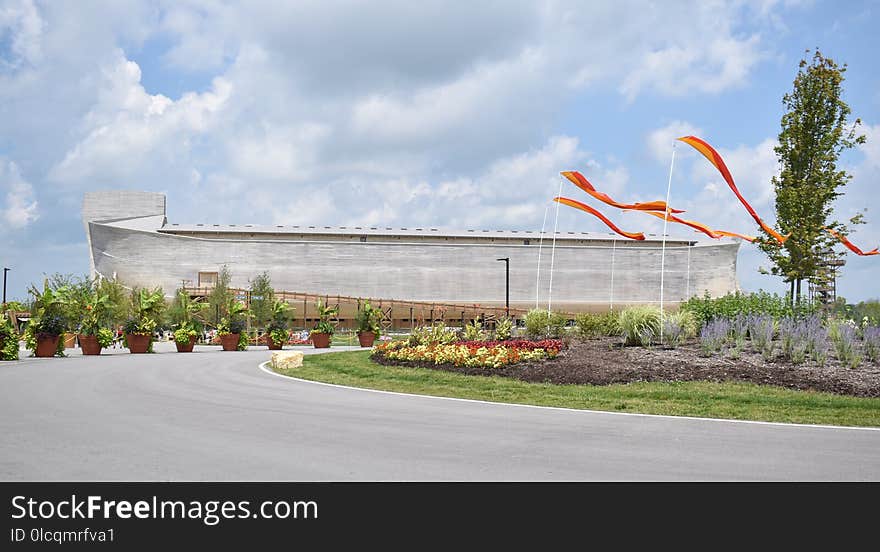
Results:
[320, 340]
[186, 347]
[46, 345]
[89, 344]
[273, 346]
[366, 339]
[138, 343]
[229, 342]
[69, 340]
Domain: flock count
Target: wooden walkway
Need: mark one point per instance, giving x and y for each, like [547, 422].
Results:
[396, 313]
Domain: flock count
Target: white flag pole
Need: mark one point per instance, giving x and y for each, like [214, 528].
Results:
[553, 252]
[540, 244]
[613, 249]
[663, 247]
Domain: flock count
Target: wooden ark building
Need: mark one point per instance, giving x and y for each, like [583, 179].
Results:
[453, 272]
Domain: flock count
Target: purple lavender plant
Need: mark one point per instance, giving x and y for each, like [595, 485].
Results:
[739, 327]
[844, 339]
[789, 331]
[816, 338]
[761, 330]
[713, 336]
[871, 338]
[673, 333]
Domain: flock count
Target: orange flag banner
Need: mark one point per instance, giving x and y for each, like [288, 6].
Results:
[588, 209]
[700, 227]
[714, 158]
[851, 246]
[749, 239]
[581, 182]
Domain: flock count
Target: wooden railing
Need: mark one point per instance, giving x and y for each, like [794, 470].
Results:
[395, 312]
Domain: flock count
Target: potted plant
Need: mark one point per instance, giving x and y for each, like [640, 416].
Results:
[43, 333]
[367, 320]
[324, 329]
[185, 338]
[278, 332]
[138, 335]
[47, 330]
[231, 328]
[185, 314]
[147, 306]
[91, 307]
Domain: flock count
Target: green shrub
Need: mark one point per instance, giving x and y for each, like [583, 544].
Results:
[687, 321]
[639, 325]
[593, 325]
[8, 339]
[474, 331]
[105, 337]
[183, 335]
[279, 335]
[542, 325]
[503, 329]
[729, 306]
[436, 333]
[678, 327]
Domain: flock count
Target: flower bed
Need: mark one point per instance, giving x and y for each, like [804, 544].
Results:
[521, 344]
[489, 354]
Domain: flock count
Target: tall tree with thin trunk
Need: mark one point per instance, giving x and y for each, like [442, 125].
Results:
[220, 297]
[262, 297]
[815, 131]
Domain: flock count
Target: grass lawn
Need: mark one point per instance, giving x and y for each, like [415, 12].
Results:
[739, 401]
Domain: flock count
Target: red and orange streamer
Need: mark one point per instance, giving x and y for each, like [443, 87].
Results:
[586, 208]
[700, 227]
[851, 246]
[715, 158]
[581, 182]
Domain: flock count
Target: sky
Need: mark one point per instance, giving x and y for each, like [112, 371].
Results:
[398, 113]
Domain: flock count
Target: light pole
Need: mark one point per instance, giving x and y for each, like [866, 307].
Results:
[5, 270]
[507, 283]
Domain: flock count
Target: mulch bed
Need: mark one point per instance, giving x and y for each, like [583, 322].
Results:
[604, 362]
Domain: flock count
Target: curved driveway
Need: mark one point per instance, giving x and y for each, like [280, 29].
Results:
[216, 416]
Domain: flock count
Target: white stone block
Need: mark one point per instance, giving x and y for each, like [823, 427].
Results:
[284, 360]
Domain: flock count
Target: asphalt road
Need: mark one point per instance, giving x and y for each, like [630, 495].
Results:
[216, 416]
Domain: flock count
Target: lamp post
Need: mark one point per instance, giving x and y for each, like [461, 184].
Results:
[5, 270]
[507, 283]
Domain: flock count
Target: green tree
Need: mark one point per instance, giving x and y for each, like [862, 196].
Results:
[815, 131]
[186, 312]
[220, 297]
[118, 304]
[262, 299]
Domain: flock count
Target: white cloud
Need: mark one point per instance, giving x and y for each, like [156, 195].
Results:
[19, 206]
[128, 129]
[679, 70]
[22, 26]
[661, 141]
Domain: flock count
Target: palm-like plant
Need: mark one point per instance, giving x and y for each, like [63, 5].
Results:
[147, 307]
[49, 309]
[326, 314]
[93, 308]
[234, 322]
[278, 326]
[368, 318]
[186, 315]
